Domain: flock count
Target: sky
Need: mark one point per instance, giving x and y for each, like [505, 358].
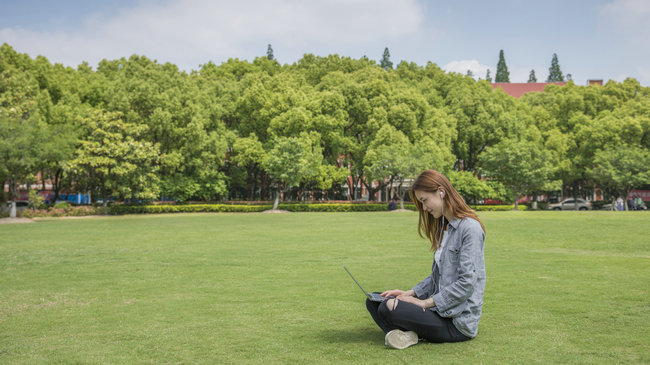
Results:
[593, 39]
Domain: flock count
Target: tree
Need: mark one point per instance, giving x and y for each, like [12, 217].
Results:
[21, 148]
[269, 53]
[249, 154]
[113, 158]
[292, 160]
[502, 70]
[622, 169]
[386, 158]
[482, 119]
[385, 60]
[472, 188]
[469, 73]
[520, 165]
[532, 77]
[488, 77]
[24, 135]
[554, 72]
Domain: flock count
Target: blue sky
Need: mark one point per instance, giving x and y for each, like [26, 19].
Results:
[597, 39]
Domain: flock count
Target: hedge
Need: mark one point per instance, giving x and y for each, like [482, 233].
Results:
[496, 208]
[63, 211]
[290, 206]
[324, 207]
[148, 209]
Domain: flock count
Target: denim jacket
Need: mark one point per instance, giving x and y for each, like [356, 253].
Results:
[457, 286]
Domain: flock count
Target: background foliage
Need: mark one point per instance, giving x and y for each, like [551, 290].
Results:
[136, 130]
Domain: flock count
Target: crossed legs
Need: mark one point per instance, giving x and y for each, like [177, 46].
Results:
[394, 314]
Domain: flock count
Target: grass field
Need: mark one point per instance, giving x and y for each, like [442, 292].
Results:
[562, 287]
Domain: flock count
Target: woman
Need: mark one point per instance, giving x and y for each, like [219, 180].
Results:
[446, 305]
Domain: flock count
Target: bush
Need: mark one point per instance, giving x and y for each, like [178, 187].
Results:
[68, 211]
[119, 209]
[61, 205]
[598, 205]
[239, 208]
[35, 200]
[149, 209]
[496, 208]
[340, 207]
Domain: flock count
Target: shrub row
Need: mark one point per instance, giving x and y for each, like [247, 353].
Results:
[496, 208]
[341, 207]
[230, 208]
[194, 208]
[65, 211]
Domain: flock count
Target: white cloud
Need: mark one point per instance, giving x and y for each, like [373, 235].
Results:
[462, 66]
[629, 18]
[627, 22]
[192, 32]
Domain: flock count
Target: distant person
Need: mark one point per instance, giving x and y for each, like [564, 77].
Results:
[446, 306]
[619, 204]
[392, 205]
[638, 203]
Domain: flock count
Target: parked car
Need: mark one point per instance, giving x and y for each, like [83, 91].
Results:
[570, 204]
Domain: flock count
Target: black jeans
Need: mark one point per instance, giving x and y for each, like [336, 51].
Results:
[409, 317]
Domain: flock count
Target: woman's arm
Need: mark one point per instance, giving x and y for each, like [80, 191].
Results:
[470, 255]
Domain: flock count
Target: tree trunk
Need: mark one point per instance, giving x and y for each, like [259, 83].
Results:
[29, 188]
[57, 184]
[401, 194]
[371, 191]
[351, 188]
[264, 191]
[277, 200]
[12, 209]
[104, 196]
[253, 186]
[515, 196]
[12, 196]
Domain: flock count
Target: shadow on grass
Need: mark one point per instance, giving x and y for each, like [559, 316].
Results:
[352, 335]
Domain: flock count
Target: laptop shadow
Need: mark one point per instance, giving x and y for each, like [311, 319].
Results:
[353, 335]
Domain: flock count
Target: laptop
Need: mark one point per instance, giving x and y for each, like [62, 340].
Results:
[372, 296]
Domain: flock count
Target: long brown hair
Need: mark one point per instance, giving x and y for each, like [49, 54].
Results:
[431, 181]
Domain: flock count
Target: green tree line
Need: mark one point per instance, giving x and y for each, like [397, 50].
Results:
[135, 129]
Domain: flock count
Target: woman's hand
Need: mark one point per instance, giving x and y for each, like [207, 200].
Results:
[397, 293]
[424, 304]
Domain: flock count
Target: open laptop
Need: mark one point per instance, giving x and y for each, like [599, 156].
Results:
[372, 296]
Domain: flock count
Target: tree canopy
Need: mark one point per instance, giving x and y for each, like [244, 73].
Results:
[134, 129]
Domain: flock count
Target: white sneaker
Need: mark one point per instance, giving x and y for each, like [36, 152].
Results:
[397, 339]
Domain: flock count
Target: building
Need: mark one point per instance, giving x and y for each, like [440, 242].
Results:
[517, 89]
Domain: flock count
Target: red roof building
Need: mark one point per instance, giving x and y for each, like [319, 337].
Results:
[517, 89]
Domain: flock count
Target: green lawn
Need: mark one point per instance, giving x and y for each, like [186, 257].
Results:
[562, 287]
